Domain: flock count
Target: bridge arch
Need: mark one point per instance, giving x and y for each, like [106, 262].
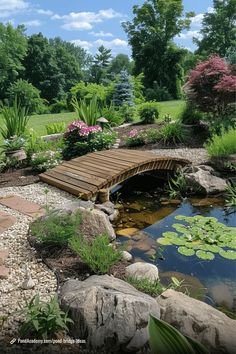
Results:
[87, 175]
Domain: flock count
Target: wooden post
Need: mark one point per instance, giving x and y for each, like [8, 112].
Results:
[103, 195]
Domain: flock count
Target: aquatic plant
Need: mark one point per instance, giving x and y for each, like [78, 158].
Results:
[201, 236]
[231, 195]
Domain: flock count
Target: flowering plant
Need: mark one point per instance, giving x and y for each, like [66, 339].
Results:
[43, 160]
[135, 138]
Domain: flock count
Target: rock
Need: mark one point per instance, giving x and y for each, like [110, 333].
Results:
[127, 256]
[127, 232]
[142, 270]
[107, 207]
[203, 179]
[94, 223]
[108, 313]
[73, 206]
[114, 216]
[200, 321]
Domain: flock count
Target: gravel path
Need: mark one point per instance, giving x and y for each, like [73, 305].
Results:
[196, 156]
[20, 252]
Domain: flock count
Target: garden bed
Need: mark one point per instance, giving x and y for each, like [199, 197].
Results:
[19, 177]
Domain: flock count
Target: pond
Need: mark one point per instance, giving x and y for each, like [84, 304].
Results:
[145, 216]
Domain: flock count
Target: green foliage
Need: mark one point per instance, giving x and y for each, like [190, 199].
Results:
[146, 286]
[158, 93]
[98, 254]
[112, 115]
[118, 63]
[177, 187]
[138, 88]
[58, 107]
[86, 91]
[87, 112]
[152, 136]
[172, 133]
[15, 119]
[218, 29]
[127, 113]
[102, 141]
[123, 91]
[28, 96]
[12, 144]
[165, 339]
[44, 160]
[190, 115]
[135, 138]
[55, 228]
[202, 236]
[54, 128]
[223, 144]
[231, 195]
[148, 112]
[99, 69]
[13, 48]
[43, 319]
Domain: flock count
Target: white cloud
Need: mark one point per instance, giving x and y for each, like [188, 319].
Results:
[85, 20]
[101, 34]
[45, 12]
[84, 44]
[33, 23]
[210, 10]
[197, 20]
[111, 44]
[10, 7]
[190, 35]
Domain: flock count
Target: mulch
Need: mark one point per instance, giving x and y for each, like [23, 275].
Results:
[19, 177]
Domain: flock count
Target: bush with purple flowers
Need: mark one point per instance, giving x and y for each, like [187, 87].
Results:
[79, 139]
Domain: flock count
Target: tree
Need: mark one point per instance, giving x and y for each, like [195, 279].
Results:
[13, 48]
[211, 88]
[119, 63]
[218, 29]
[41, 68]
[123, 93]
[150, 35]
[100, 65]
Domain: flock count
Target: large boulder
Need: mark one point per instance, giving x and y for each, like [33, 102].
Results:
[108, 312]
[200, 321]
[142, 270]
[203, 179]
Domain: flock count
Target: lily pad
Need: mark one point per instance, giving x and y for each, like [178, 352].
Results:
[164, 241]
[205, 255]
[186, 251]
[170, 234]
[228, 254]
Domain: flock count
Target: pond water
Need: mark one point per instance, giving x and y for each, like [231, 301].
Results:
[145, 216]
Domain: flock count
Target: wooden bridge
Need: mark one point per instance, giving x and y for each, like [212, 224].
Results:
[87, 175]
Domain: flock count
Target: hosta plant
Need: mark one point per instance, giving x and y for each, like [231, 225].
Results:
[201, 236]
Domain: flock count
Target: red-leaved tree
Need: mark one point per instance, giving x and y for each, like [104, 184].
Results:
[211, 87]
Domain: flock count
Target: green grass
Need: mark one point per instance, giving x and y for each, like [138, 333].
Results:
[223, 144]
[38, 122]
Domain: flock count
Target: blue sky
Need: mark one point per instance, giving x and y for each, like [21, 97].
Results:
[89, 23]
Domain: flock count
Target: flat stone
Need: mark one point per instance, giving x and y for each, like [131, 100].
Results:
[3, 256]
[3, 272]
[127, 256]
[142, 270]
[6, 221]
[22, 205]
[127, 232]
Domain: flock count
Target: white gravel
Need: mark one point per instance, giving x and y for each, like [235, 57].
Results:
[195, 155]
[20, 252]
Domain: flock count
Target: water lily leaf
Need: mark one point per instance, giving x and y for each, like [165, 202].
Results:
[178, 241]
[211, 248]
[170, 234]
[205, 255]
[228, 254]
[186, 251]
[164, 241]
[180, 228]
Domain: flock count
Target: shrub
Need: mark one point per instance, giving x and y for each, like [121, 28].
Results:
[87, 112]
[127, 113]
[98, 255]
[190, 115]
[58, 107]
[54, 128]
[172, 133]
[44, 160]
[43, 319]
[56, 228]
[223, 144]
[112, 115]
[211, 88]
[146, 286]
[80, 139]
[12, 144]
[135, 138]
[152, 136]
[28, 95]
[85, 91]
[158, 94]
[15, 119]
[148, 112]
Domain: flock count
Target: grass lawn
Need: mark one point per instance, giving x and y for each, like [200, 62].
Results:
[38, 122]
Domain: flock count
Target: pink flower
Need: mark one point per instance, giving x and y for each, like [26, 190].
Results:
[85, 131]
[133, 133]
[77, 124]
[227, 83]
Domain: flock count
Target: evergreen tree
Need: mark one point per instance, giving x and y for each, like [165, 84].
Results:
[123, 93]
[100, 65]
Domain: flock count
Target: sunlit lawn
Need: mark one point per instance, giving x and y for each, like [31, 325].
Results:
[38, 122]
